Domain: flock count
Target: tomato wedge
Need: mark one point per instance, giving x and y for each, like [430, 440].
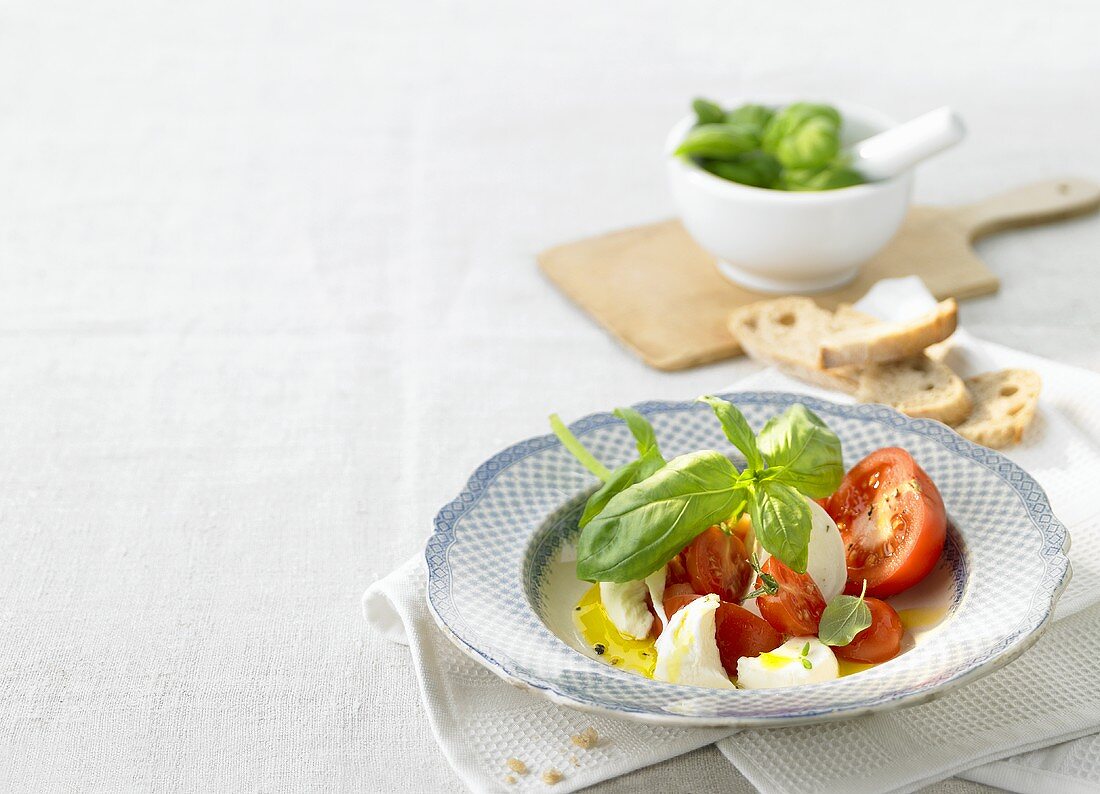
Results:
[677, 573]
[717, 562]
[737, 632]
[796, 609]
[879, 642]
[892, 520]
[678, 596]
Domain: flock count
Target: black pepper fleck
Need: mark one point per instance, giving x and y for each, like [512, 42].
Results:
[599, 649]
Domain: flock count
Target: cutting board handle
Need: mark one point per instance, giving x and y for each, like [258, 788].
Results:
[1051, 200]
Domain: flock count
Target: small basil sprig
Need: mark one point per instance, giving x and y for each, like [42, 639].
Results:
[646, 524]
[768, 584]
[649, 460]
[844, 618]
[805, 657]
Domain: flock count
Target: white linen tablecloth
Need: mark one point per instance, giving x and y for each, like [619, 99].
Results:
[267, 296]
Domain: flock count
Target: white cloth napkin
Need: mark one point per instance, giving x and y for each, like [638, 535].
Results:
[1050, 695]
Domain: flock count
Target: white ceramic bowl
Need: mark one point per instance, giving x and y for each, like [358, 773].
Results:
[781, 241]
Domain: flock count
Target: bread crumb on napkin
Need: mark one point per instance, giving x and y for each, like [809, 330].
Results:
[586, 739]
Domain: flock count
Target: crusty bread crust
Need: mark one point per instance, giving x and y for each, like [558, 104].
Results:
[1004, 405]
[786, 332]
[917, 386]
[993, 409]
[868, 343]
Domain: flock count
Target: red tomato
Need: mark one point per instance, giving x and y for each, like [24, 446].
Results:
[717, 563]
[796, 609]
[880, 641]
[737, 632]
[677, 596]
[677, 573]
[892, 520]
[743, 530]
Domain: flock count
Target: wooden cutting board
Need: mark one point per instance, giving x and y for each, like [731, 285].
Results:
[662, 296]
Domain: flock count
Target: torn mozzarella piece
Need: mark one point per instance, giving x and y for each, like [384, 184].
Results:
[687, 652]
[655, 582]
[788, 666]
[625, 605]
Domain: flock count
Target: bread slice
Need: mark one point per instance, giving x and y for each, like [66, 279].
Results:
[850, 316]
[787, 333]
[866, 344]
[917, 386]
[1004, 405]
[846, 312]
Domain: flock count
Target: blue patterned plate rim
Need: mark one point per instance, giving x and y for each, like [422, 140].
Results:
[1055, 547]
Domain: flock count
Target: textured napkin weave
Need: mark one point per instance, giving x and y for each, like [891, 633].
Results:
[1049, 695]
[480, 721]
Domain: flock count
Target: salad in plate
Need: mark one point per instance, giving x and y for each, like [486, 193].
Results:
[774, 575]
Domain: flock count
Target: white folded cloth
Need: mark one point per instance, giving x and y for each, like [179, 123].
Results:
[1010, 729]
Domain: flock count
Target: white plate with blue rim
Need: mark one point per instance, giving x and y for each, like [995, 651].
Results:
[502, 582]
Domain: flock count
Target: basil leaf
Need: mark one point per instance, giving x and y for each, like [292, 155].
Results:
[641, 429]
[756, 169]
[577, 449]
[844, 618]
[649, 460]
[787, 123]
[832, 177]
[813, 144]
[782, 521]
[720, 141]
[804, 451]
[737, 429]
[646, 525]
[756, 117]
[708, 112]
[621, 479]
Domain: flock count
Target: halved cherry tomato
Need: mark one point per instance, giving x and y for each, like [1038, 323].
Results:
[718, 563]
[737, 632]
[677, 573]
[743, 530]
[892, 520]
[879, 642]
[677, 596]
[796, 609]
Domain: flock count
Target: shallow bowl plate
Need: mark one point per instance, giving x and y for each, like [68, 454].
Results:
[497, 589]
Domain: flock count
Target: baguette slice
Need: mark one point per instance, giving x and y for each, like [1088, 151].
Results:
[1004, 405]
[786, 332]
[866, 344]
[917, 386]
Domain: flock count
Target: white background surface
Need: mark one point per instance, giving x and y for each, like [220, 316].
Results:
[268, 295]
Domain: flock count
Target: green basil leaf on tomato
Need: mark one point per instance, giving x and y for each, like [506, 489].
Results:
[844, 617]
